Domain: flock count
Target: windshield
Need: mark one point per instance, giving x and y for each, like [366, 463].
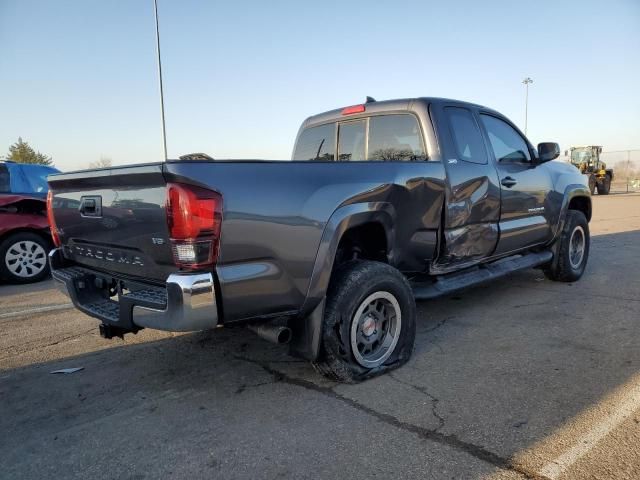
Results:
[579, 156]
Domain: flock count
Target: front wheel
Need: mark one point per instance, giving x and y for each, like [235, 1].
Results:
[604, 186]
[572, 250]
[23, 258]
[369, 322]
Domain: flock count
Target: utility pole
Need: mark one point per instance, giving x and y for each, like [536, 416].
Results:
[628, 168]
[164, 132]
[526, 82]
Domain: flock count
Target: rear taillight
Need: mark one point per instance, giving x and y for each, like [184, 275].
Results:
[52, 220]
[194, 217]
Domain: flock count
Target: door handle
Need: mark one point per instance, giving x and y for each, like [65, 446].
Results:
[88, 206]
[91, 206]
[508, 182]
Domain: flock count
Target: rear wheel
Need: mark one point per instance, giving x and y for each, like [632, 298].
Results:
[592, 184]
[369, 322]
[23, 258]
[572, 252]
[604, 186]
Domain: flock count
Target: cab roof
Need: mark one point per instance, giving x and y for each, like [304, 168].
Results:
[376, 107]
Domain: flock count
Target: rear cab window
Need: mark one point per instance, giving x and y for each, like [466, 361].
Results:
[378, 138]
[395, 138]
[352, 141]
[316, 144]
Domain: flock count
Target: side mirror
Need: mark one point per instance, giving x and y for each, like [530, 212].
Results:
[548, 151]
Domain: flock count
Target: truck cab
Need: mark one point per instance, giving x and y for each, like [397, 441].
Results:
[496, 188]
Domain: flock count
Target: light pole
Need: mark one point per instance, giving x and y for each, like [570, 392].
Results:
[526, 82]
[164, 132]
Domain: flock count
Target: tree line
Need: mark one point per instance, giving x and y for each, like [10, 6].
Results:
[22, 152]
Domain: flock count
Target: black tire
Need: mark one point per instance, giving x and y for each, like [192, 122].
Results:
[604, 186]
[372, 287]
[592, 184]
[25, 248]
[568, 266]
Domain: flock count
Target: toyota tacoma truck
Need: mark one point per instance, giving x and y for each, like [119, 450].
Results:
[382, 204]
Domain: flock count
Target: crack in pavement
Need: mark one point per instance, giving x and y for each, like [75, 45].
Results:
[423, 390]
[433, 339]
[438, 325]
[523, 305]
[246, 386]
[32, 346]
[70, 337]
[449, 440]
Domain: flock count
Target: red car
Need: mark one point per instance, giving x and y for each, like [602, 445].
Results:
[25, 239]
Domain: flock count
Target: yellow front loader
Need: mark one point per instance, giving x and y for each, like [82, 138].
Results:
[587, 160]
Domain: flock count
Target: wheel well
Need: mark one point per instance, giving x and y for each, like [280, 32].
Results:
[41, 233]
[582, 204]
[367, 241]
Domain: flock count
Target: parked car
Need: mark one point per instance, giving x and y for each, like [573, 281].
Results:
[383, 203]
[25, 238]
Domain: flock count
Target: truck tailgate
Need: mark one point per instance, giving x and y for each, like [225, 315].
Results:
[115, 220]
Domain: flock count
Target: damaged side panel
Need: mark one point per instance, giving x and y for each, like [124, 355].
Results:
[469, 242]
[22, 212]
[471, 223]
[20, 204]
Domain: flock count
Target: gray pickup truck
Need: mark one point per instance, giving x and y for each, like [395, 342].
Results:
[382, 203]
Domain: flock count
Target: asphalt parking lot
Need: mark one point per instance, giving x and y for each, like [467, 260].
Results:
[520, 378]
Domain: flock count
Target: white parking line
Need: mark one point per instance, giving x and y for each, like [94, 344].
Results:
[29, 311]
[629, 403]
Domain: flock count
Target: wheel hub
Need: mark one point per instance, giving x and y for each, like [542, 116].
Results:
[375, 329]
[25, 259]
[577, 244]
[369, 326]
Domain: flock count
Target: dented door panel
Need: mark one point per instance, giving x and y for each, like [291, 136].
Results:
[472, 209]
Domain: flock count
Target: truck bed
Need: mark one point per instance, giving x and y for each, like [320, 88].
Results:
[274, 217]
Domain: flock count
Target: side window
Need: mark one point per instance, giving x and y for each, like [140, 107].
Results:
[351, 141]
[4, 179]
[395, 138]
[507, 144]
[466, 135]
[316, 143]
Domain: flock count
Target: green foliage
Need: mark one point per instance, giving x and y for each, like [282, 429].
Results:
[22, 152]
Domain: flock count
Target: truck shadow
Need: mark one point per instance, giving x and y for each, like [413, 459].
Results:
[496, 368]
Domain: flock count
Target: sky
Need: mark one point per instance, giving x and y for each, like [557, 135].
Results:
[78, 78]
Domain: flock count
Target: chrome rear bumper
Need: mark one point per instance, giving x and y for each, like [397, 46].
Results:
[187, 302]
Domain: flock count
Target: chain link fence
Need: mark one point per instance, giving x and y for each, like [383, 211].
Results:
[626, 169]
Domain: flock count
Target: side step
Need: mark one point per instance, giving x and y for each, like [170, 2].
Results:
[453, 282]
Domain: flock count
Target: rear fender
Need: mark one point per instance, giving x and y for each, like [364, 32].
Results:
[307, 327]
